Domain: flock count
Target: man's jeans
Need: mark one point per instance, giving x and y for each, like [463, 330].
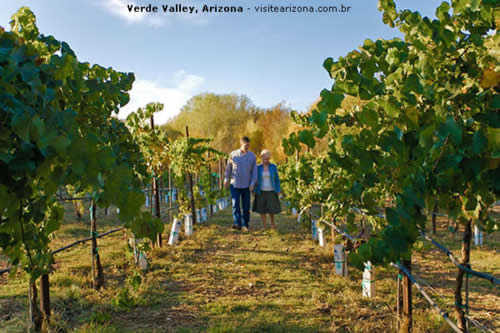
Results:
[244, 193]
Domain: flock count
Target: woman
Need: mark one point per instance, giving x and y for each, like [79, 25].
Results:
[267, 189]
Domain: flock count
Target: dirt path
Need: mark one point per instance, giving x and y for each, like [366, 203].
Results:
[222, 280]
[227, 280]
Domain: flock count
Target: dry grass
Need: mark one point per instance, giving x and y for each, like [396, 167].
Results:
[222, 280]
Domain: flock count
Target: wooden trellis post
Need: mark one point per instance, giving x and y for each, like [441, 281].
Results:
[404, 299]
[97, 272]
[45, 297]
[190, 180]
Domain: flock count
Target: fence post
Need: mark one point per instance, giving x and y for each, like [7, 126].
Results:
[190, 179]
[76, 206]
[210, 175]
[97, 272]
[434, 213]
[332, 229]
[459, 306]
[170, 197]
[155, 193]
[45, 297]
[161, 186]
[406, 324]
[399, 301]
[221, 182]
[156, 204]
[35, 316]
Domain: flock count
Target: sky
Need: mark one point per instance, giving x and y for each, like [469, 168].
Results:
[269, 57]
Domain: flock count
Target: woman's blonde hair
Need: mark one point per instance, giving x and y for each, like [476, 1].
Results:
[265, 152]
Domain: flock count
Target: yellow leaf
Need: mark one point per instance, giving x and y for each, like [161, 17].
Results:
[490, 79]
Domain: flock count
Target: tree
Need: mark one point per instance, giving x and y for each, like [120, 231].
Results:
[57, 130]
[226, 118]
[428, 127]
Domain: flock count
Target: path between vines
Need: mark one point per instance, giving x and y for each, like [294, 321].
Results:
[263, 280]
[223, 280]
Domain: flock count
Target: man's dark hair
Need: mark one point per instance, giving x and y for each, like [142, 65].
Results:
[245, 139]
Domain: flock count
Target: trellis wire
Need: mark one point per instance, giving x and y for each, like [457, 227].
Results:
[72, 244]
[443, 314]
[450, 255]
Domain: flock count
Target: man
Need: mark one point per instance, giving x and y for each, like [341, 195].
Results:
[241, 175]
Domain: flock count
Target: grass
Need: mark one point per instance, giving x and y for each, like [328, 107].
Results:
[222, 280]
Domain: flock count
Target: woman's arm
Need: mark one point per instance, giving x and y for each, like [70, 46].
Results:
[257, 183]
[278, 185]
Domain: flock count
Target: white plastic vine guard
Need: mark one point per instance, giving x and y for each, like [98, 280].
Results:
[321, 238]
[367, 283]
[174, 233]
[314, 230]
[188, 225]
[339, 259]
[204, 215]
[478, 236]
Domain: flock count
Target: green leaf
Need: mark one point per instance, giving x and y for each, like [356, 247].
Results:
[413, 116]
[331, 101]
[495, 103]
[413, 84]
[368, 117]
[357, 189]
[368, 44]
[390, 108]
[21, 124]
[452, 130]
[29, 71]
[319, 118]
[4, 198]
[479, 142]
[307, 138]
[60, 143]
[328, 64]
[347, 140]
[493, 138]
[426, 137]
[399, 133]
[442, 12]
[491, 118]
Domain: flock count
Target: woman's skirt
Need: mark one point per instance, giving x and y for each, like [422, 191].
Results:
[266, 202]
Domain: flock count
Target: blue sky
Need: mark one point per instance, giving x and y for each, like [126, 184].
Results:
[270, 57]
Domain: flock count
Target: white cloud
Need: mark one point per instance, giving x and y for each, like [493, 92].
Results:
[187, 81]
[173, 98]
[119, 9]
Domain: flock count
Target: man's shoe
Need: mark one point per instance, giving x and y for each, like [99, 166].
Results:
[245, 229]
[235, 226]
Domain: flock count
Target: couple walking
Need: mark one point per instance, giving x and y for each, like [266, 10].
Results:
[244, 176]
